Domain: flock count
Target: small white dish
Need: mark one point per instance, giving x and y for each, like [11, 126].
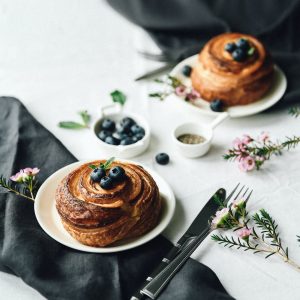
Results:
[49, 219]
[115, 113]
[206, 131]
[269, 99]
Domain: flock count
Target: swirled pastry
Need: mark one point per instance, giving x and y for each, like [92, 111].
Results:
[217, 75]
[98, 217]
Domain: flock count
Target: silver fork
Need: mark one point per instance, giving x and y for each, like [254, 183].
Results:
[156, 285]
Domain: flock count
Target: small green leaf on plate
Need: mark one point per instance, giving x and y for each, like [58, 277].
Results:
[93, 167]
[118, 97]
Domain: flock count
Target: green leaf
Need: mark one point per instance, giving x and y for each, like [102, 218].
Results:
[93, 167]
[70, 125]
[118, 97]
[251, 51]
[107, 164]
[86, 118]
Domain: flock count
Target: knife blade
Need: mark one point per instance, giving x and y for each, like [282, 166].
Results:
[197, 226]
[156, 71]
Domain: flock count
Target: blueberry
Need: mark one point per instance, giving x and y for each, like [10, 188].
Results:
[97, 174]
[108, 124]
[230, 47]
[112, 140]
[239, 55]
[186, 70]
[127, 122]
[103, 134]
[123, 129]
[139, 136]
[117, 173]
[162, 158]
[106, 183]
[135, 129]
[127, 141]
[217, 105]
[243, 44]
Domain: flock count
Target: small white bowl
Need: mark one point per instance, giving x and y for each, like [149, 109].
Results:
[193, 150]
[206, 131]
[114, 112]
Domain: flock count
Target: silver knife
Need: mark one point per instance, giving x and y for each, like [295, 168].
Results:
[157, 71]
[197, 226]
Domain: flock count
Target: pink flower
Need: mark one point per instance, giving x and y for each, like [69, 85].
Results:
[25, 174]
[221, 215]
[247, 164]
[31, 171]
[264, 137]
[244, 233]
[180, 91]
[18, 177]
[238, 144]
[247, 139]
[193, 95]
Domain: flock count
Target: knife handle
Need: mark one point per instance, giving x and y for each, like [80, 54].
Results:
[164, 262]
[155, 286]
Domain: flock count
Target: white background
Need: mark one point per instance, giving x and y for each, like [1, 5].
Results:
[59, 57]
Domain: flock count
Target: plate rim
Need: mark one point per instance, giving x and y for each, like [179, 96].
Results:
[158, 229]
[281, 91]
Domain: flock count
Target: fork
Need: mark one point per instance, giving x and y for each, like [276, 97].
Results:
[156, 285]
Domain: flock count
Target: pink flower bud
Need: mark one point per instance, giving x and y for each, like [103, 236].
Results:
[180, 91]
[244, 233]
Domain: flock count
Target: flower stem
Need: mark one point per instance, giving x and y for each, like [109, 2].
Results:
[21, 194]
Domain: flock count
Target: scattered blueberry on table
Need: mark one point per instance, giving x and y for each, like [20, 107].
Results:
[240, 50]
[125, 132]
[187, 70]
[217, 105]
[162, 158]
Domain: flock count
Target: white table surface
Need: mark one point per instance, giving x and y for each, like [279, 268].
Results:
[59, 57]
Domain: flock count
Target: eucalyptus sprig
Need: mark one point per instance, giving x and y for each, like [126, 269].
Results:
[85, 117]
[105, 166]
[295, 111]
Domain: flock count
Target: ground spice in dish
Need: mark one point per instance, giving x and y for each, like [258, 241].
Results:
[188, 138]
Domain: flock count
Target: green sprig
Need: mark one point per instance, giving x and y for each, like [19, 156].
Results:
[15, 188]
[86, 118]
[295, 111]
[106, 165]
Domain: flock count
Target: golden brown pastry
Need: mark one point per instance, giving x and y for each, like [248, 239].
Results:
[99, 217]
[217, 75]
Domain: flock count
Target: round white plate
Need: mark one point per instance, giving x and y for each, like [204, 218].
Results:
[273, 95]
[49, 220]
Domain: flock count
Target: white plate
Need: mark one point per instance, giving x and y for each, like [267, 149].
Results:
[49, 220]
[273, 95]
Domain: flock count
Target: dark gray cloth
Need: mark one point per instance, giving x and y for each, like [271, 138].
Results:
[54, 270]
[182, 27]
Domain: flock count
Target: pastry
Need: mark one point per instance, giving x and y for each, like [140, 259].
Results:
[233, 67]
[98, 216]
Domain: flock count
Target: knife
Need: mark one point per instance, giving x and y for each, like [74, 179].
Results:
[156, 71]
[197, 226]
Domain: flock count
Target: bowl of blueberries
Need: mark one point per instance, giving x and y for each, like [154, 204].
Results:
[124, 135]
